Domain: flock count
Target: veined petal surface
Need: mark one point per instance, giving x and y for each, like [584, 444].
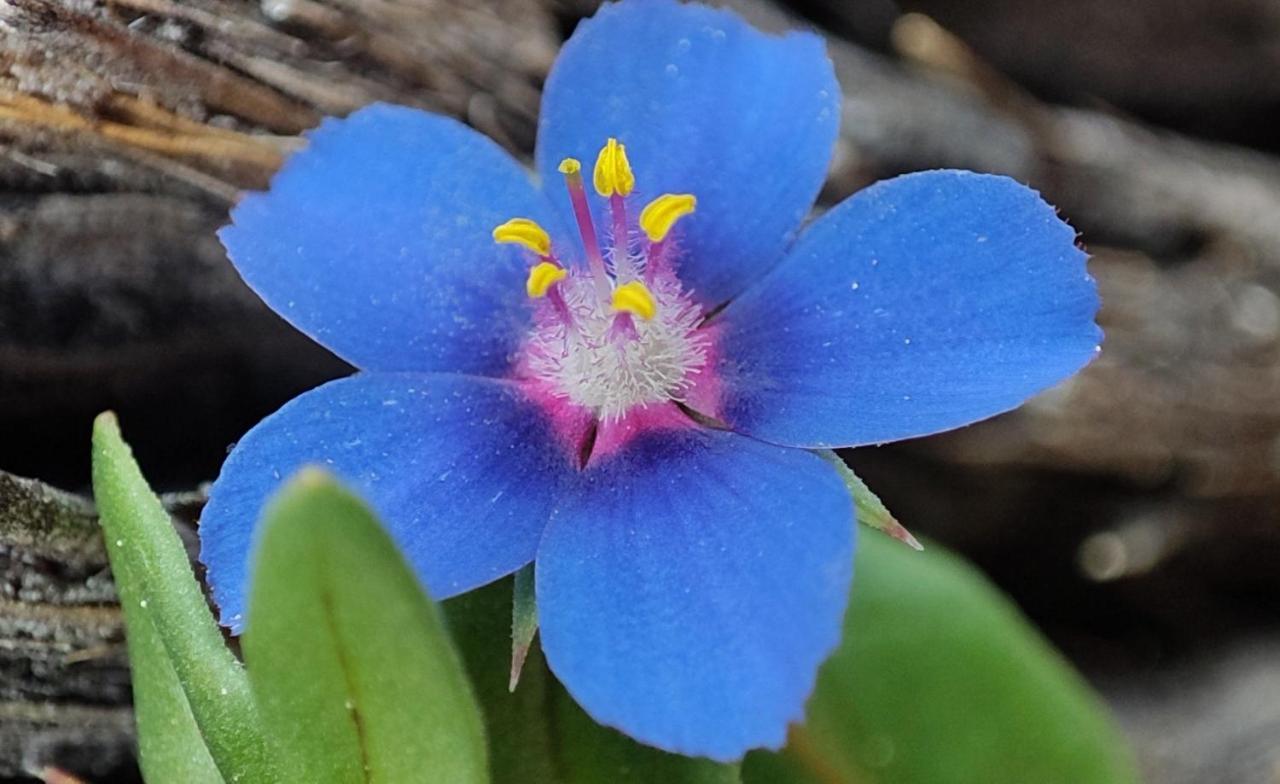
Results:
[920, 304]
[376, 240]
[463, 472]
[705, 104]
[689, 588]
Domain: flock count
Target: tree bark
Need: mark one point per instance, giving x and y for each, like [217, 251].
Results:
[128, 128]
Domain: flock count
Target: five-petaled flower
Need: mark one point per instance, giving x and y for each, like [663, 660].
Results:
[626, 385]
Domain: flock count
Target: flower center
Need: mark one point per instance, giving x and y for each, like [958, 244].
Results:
[619, 332]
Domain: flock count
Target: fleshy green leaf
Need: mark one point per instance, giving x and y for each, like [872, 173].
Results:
[170, 747]
[148, 558]
[940, 680]
[349, 659]
[538, 735]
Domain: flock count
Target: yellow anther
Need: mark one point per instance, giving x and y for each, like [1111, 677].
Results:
[659, 215]
[570, 166]
[525, 233]
[542, 277]
[613, 170]
[635, 297]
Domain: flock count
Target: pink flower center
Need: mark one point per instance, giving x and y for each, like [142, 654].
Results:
[620, 333]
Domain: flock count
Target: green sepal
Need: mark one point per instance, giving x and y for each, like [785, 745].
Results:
[524, 622]
[870, 509]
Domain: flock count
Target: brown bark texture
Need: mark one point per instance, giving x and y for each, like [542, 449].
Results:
[1134, 512]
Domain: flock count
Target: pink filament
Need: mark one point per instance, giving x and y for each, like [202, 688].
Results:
[621, 247]
[562, 308]
[655, 260]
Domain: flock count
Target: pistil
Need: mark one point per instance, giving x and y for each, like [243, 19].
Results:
[571, 168]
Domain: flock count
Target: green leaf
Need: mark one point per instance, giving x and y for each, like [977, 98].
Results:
[155, 577]
[591, 754]
[538, 735]
[521, 740]
[350, 661]
[170, 747]
[939, 680]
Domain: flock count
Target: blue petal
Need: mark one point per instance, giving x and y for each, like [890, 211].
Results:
[689, 590]
[376, 241]
[921, 304]
[462, 471]
[705, 104]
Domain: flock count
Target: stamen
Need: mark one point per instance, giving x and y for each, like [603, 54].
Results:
[571, 168]
[623, 328]
[656, 221]
[562, 308]
[605, 338]
[635, 297]
[542, 277]
[659, 215]
[525, 233]
[613, 174]
[614, 179]
[542, 281]
[655, 260]
[623, 269]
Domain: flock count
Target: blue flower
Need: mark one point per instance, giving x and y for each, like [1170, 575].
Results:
[624, 386]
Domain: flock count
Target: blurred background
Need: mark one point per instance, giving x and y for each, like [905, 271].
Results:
[1132, 513]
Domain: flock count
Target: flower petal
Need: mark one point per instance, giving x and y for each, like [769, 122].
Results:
[463, 472]
[705, 104]
[689, 590]
[921, 304]
[376, 241]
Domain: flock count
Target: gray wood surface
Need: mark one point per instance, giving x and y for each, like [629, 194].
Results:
[127, 129]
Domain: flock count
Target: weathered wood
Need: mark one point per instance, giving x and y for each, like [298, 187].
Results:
[64, 682]
[94, 740]
[1205, 65]
[175, 167]
[1186, 250]
[127, 129]
[64, 677]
